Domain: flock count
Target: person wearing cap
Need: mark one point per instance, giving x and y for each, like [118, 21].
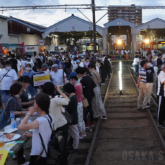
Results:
[78, 63]
[29, 72]
[57, 76]
[45, 68]
[161, 98]
[23, 61]
[30, 61]
[78, 86]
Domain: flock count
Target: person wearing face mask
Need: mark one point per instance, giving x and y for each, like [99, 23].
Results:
[8, 77]
[150, 80]
[29, 72]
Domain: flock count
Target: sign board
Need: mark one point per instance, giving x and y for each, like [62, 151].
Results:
[41, 42]
[40, 79]
[31, 48]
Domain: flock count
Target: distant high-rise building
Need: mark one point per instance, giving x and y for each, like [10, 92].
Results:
[129, 13]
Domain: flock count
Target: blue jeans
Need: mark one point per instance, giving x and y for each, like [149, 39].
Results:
[135, 69]
[4, 94]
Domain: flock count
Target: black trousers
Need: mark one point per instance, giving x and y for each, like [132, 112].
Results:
[108, 73]
[64, 129]
[103, 74]
[90, 111]
[34, 161]
[161, 109]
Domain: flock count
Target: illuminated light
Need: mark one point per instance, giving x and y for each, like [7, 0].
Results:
[162, 42]
[119, 42]
[147, 41]
[120, 82]
[120, 67]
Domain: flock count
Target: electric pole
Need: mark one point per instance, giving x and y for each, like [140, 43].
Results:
[94, 25]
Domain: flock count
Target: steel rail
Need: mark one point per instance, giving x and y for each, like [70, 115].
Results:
[97, 127]
[150, 116]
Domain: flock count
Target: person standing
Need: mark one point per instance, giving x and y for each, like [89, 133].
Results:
[57, 76]
[72, 109]
[150, 80]
[141, 84]
[68, 66]
[159, 62]
[107, 67]
[8, 77]
[136, 65]
[13, 63]
[161, 98]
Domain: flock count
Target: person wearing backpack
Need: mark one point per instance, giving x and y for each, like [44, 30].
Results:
[42, 127]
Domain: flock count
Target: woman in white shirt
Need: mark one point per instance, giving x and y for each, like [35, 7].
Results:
[40, 126]
[60, 122]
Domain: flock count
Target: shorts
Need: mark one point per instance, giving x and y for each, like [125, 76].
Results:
[4, 94]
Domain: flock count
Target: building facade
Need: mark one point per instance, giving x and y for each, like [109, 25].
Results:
[131, 13]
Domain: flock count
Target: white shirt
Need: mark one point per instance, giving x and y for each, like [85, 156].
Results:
[58, 77]
[161, 86]
[18, 65]
[23, 63]
[135, 61]
[8, 79]
[45, 131]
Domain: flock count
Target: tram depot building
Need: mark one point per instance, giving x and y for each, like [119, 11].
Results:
[19, 36]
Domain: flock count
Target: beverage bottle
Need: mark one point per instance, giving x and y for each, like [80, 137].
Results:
[12, 118]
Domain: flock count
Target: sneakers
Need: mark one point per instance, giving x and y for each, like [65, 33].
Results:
[161, 125]
[92, 124]
[104, 117]
[72, 151]
[146, 107]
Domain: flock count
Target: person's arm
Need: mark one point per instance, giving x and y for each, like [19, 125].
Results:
[15, 77]
[138, 82]
[60, 92]
[28, 103]
[19, 113]
[24, 125]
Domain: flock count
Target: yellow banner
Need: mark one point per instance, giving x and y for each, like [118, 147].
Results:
[3, 156]
[41, 78]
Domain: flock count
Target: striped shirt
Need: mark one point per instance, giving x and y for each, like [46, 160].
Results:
[143, 75]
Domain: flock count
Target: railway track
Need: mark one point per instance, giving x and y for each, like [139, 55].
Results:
[128, 136]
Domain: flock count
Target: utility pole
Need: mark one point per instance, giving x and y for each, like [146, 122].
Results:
[94, 25]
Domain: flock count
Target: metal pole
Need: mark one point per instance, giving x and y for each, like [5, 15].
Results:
[94, 25]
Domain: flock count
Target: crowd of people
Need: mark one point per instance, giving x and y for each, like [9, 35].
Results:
[151, 70]
[74, 89]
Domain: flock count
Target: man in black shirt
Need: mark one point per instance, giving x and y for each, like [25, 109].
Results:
[159, 62]
[13, 63]
[150, 79]
[88, 85]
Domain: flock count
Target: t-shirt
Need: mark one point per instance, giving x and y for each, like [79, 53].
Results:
[25, 97]
[143, 76]
[23, 63]
[78, 92]
[8, 79]
[72, 109]
[88, 85]
[159, 62]
[150, 77]
[58, 77]
[30, 74]
[45, 131]
[13, 64]
[161, 85]
[135, 61]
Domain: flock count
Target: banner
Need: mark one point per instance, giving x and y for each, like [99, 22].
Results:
[41, 42]
[41, 79]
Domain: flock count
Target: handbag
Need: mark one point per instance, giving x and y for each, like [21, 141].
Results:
[85, 102]
[68, 117]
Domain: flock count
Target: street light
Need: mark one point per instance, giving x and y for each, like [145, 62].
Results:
[147, 41]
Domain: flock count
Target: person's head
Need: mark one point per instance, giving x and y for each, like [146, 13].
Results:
[80, 71]
[16, 90]
[163, 67]
[28, 59]
[28, 67]
[143, 59]
[55, 67]
[67, 60]
[77, 62]
[44, 67]
[48, 88]
[69, 88]
[148, 64]
[42, 103]
[91, 67]
[136, 56]
[7, 65]
[72, 77]
[57, 62]
[25, 81]
[159, 55]
[87, 59]
[143, 64]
